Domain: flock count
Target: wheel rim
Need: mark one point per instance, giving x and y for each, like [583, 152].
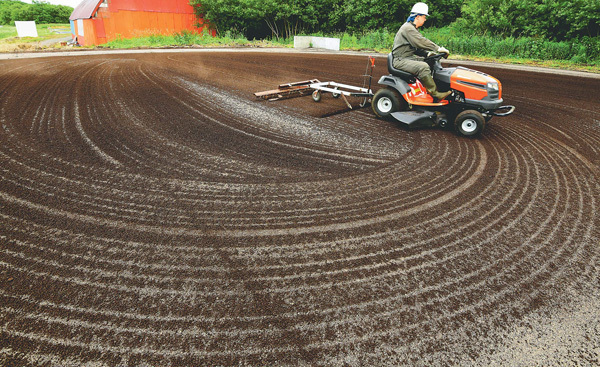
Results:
[469, 125]
[384, 105]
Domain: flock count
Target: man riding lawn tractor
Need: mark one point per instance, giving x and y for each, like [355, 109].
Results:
[411, 47]
[411, 92]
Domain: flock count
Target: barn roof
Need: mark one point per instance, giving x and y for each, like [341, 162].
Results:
[85, 9]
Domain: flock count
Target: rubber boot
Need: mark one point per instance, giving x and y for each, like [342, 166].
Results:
[429, 83]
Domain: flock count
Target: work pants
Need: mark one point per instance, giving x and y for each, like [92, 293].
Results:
[419, 68]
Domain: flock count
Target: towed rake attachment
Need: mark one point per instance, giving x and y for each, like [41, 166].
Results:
[288, 90]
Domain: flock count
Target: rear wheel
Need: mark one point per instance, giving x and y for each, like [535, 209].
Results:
[385, 102]
[336, 95]
[469, 123]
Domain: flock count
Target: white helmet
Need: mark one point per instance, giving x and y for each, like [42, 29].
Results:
[420, 8]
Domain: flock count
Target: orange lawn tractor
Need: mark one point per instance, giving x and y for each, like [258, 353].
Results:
[476, 97]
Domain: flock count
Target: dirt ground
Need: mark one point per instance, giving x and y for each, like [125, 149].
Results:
[154, 213]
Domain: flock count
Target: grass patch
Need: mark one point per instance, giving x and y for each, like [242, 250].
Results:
[45, 31]
[575, 55]
[11, 42]
[182, 39]
[583, 52]
[7, 31]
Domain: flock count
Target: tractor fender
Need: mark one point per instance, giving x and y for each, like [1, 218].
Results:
[400, 85]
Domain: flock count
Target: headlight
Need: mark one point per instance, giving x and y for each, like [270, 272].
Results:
[493, 86]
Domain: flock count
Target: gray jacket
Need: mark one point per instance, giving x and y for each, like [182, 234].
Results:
[411, 44]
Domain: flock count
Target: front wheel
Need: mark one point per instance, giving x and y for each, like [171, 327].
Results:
[469, 123]
[385, 102]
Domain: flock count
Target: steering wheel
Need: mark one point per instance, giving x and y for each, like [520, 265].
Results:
[436, 57]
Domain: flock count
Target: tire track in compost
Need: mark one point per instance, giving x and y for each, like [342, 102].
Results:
[152, 212]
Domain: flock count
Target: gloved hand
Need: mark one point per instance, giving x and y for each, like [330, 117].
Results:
[443, 50]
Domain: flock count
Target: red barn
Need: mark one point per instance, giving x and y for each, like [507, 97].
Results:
[94, 22]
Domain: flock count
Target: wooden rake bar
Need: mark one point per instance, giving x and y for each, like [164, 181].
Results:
[288, 90]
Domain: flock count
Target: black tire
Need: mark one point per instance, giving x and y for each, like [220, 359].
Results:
[336, 95]
[469, 123]
[385, 102]
[316, 95]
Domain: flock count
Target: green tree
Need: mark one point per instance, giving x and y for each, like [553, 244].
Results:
[284, 18]
[6, 9]
[261, 18]
[39, 11]
[362, 15]
[557, 20]
[551, 19]
[228, 15]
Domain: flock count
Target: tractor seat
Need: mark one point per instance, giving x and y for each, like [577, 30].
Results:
[406, 76]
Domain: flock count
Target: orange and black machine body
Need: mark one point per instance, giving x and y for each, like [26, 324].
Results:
[476, 97]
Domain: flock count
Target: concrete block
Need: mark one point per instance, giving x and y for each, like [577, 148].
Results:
[317, 42]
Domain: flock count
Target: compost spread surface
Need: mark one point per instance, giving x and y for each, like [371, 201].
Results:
[153, 212]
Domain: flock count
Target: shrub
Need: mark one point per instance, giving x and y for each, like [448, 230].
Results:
[185, 38]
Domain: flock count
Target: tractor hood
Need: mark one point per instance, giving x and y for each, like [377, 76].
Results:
[475, 84]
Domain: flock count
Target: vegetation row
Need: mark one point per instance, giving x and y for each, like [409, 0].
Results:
[39, 11]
